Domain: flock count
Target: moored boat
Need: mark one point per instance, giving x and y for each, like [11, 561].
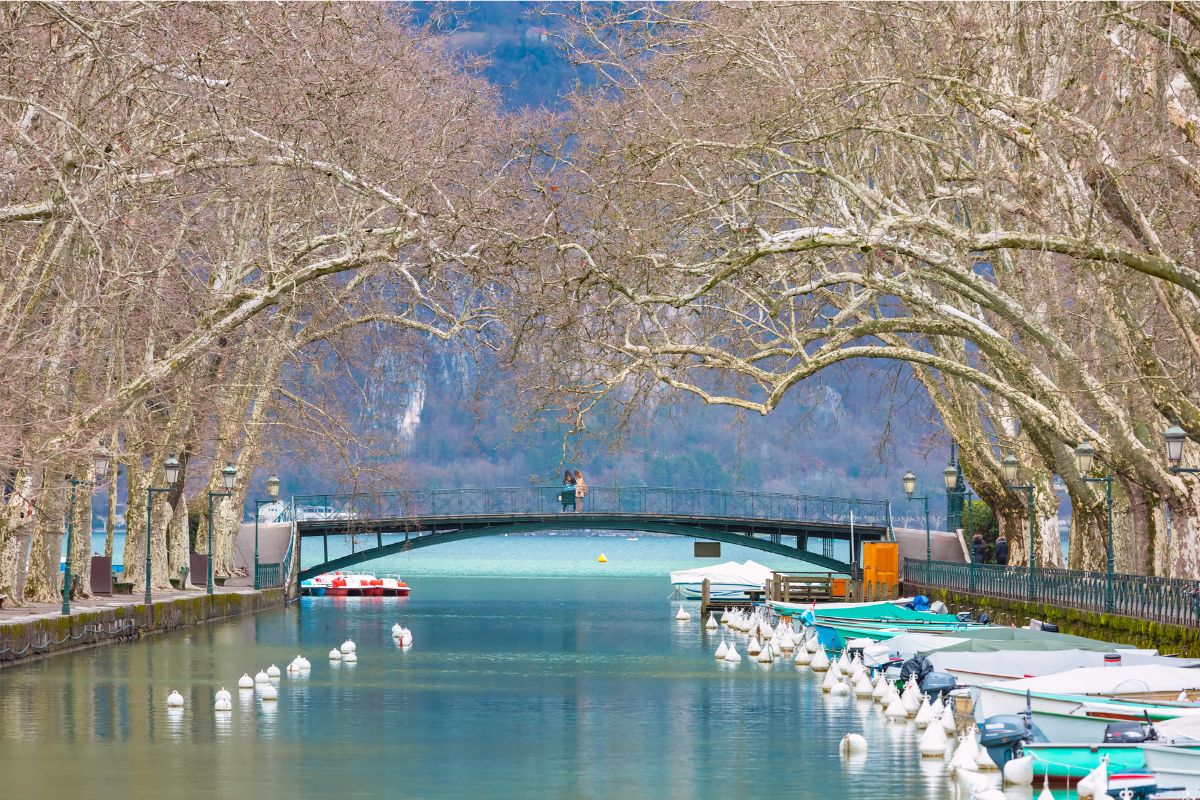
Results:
[338, 584]
[728, 581]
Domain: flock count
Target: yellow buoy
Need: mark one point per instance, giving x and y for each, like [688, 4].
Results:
[602, 559]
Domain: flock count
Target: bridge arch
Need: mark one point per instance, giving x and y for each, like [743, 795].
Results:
[559, 523]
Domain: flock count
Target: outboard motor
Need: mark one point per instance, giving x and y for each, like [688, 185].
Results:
[964, 616]
[1005, 735]
[984, 619]
[918, 666]
[938, 684]
[1130, 732]
[855, 647]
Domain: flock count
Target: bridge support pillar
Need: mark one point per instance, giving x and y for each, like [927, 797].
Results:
[801, 541]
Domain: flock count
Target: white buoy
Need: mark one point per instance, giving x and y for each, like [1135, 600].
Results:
[965, 757]
[802, 658]
[753, 647]
[293, 667]
[712, 623]
[1094, 784]
[863, 687]
[984, 761]
[682, 615]
[840, 687]
[820, 660]
[828, 681]
[947, 721]
[397, 630]
[880, 685]
[222, 703]
[895, 710]
[843, 662]
[305, 664]
[813, 643]
[348, 646]
[1019, 771]
[722, 649]
[245, 682]
[270, 693]
[732, 656]
[911, 701]
[406, 638]
[991, 794]
[924, 714]
[853, 743]
[262, 677]
[725, 616]
[223, 695]
[174, 700]
[1045, 793]
[765, 656]
[272, 671]
[335, 655]
[933, 742]
[350, 658]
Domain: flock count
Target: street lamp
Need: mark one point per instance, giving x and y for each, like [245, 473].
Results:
[273, 491]
[1010, 465]
[171, 469]
[910, 486]
[99, 470]
[1085, 455]
[228, 475]
[1175, 436]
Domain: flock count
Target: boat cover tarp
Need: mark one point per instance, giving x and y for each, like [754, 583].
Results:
[883, 612]
[1032, 663]
[994, 639]
[1185, 727]
[1110, 680]
[751, 574]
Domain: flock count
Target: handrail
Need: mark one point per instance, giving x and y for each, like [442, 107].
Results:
[422, 503]
[1174, 601]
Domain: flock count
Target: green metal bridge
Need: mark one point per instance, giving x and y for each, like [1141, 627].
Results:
[782, 524]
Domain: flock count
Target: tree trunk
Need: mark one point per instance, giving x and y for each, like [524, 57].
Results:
[80, 557]
[43, 582]
[1183, 552]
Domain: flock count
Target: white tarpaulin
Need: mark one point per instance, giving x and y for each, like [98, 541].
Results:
[1110, 680]
[978, 668]
[731, 572]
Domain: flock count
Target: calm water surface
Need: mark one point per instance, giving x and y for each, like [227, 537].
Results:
[576, 685]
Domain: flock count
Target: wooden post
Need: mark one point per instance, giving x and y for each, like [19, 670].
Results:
[703, 601]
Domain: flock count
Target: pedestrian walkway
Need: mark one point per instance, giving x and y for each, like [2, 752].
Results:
[30, 612]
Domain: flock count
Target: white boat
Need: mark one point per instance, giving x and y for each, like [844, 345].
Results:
[1076, 705]
[982, 668]
[728, 581]
[1177, 769]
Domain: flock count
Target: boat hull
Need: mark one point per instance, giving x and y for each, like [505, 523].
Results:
[1175, 768]
[1071, 762]
[1070, 718]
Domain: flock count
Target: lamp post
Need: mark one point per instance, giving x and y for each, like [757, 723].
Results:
[967, 532]
[228, 474]
[1010, 466]
[273, 492]
[910, 486]
[99, 470]
[171, 468]
[1175, 436]
[1085, 455]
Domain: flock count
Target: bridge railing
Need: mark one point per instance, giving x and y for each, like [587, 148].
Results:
[420, 504]
[1173, 601]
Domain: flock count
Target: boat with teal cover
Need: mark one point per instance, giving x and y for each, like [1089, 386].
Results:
[1070, 762]
[839, 622]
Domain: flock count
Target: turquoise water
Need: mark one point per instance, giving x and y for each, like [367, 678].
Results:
[535, 673]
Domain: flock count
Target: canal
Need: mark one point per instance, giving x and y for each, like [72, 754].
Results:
[535, 672]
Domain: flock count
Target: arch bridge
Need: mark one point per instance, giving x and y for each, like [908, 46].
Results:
[381, 524]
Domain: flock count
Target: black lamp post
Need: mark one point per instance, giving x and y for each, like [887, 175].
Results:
[99, 470]
[228, 475]
[1011, 466]
[1085, 456]
[171, 469]
[910, 486]
[273, 492]
[1175, 436]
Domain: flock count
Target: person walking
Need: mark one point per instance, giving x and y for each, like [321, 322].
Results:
[978, 549]
[581, 489]
[1002, 551]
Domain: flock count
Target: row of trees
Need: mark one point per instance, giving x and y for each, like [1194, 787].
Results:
[1001, 195]
[198, 203]
[204, 207]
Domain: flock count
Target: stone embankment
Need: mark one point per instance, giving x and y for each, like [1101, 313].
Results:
[34, 637]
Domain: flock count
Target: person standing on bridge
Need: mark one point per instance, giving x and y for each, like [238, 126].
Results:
[567, 495]
[581, 489]
[1002, 551]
